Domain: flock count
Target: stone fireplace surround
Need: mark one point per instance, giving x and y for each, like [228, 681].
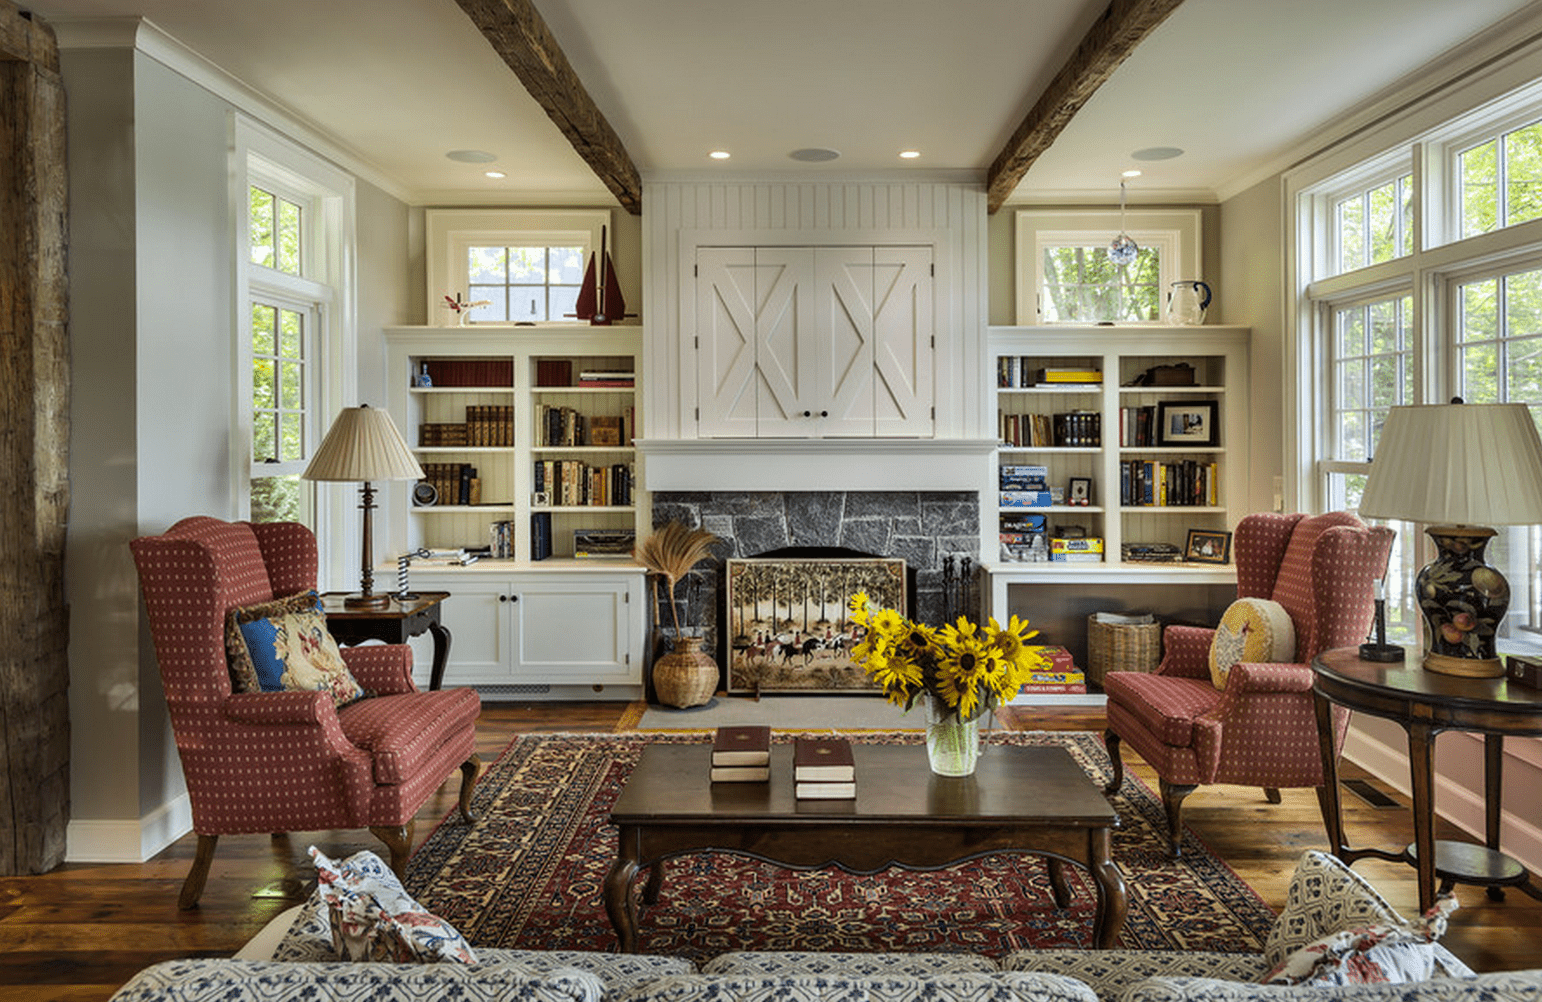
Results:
[922, 527]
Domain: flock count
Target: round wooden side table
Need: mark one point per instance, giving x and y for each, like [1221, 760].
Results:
[1425, 703]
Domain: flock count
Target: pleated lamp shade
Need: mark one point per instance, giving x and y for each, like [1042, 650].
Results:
[363, 445]
[1463, 464]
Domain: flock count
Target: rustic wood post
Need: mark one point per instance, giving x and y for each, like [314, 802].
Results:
[34, 448]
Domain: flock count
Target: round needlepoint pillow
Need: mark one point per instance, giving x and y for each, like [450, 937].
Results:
[1252, 630]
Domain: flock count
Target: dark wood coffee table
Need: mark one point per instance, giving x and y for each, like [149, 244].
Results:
[1035, 801]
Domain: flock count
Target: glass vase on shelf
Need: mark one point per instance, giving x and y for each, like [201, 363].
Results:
[952, 743]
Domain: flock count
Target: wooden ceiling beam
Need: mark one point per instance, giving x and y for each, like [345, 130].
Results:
[1122, 26]
[519, 34]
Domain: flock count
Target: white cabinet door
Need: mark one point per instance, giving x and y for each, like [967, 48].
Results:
[786, 356]
[904, 350]
[577, 629]
[726, 373]
[843, 297]
[481, 637]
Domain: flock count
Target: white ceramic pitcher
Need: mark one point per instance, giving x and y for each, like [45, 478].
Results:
[1187, 301]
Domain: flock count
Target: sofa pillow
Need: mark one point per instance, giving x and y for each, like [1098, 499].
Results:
[226, 980]
[1251, 631]
[373, 918]
[1384, 953]
[284, 646]
[960, 986]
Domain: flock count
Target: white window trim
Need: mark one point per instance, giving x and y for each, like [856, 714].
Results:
[1175, 231]
[449, 233]
[262, 157]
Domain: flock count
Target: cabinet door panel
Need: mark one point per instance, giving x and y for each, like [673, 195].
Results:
[903, 358]
[783, 325]
[726, 309]
[574, 631]
[477, 616]
[843, 290]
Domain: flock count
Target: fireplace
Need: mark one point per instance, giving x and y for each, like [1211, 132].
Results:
[936, 533]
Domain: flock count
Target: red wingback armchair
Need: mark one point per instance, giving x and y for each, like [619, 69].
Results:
[288, 761]
[1262, 729]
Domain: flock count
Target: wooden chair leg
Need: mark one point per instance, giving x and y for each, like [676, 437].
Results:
[1172, 803]
[1272, 794]
[399, 841]
[192, 887]
[470, 772]
[1111, 742]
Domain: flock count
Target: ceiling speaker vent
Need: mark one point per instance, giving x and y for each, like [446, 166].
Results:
[814, 155]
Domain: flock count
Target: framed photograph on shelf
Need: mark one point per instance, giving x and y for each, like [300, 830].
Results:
[1207, 547]
[1188, 422]
[1079, 491]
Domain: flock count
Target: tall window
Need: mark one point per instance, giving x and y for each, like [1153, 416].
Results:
[1065, 274]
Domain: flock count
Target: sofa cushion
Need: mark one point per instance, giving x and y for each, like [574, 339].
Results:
[225, 980]
[1502, 986]
[403, 731]
[1110, 972]
[1165, 705]
[373, 918]
[1384, 953]
[774, 963]
[958, 987]
[285, 646]
[1251, 631]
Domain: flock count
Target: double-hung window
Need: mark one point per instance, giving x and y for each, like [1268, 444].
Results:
[1419, 279]
[517, 265]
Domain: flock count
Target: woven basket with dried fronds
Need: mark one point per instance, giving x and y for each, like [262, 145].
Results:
[670, 552]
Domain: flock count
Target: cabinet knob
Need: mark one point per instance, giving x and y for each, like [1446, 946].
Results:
[513, 598]
[503, 598]
[824, 413]
[808, 413]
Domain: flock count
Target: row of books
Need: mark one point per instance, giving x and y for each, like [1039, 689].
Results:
[453, 483]
[1070, 428]
[500, 540]
[607, 377]
[470, 372]
[485, 424]
[1020, 372]
[822, 767]
[540, 535]
[566, 427]
[569, 483]
[1187, 483]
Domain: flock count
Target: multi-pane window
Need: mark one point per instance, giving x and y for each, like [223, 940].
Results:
[1499, 339]
[1372, 372]
[275, 231]
[1082, 284]
[1374, 225]
[280, 411]
[525, 284]
[1501, 181]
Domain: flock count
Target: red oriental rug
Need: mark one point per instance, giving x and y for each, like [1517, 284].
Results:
[529, 875]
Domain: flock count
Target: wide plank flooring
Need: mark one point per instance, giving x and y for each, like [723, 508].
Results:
[81, 931]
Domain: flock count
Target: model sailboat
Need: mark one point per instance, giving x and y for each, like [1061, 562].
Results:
[599, 298]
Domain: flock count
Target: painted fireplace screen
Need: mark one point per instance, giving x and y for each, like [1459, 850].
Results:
[789, 624]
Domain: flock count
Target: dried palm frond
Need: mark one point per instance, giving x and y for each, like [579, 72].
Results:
[671, 551]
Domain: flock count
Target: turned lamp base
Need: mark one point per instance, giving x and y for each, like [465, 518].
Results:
[1463, 600]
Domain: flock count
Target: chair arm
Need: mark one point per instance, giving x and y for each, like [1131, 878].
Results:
[1186, 651]
[268, 708]
[1278, 677]
[383, 669]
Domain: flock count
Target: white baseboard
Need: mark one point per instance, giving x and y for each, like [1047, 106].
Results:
[128, 841]
[1455, 802]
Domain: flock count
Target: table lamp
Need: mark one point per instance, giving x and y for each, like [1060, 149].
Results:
[364, 446]
[1459, 468]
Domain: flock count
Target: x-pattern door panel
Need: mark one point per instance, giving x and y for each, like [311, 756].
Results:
[903, 355]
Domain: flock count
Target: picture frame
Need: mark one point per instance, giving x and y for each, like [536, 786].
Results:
[1207, 546]
[1188, 422]
[1079, 491]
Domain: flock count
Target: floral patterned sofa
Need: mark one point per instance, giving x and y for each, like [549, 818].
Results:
[297, 958]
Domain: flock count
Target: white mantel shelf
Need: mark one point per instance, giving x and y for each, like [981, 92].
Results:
[816, 464]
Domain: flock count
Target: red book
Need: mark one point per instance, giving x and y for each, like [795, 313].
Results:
[746, 745]
[824, 760]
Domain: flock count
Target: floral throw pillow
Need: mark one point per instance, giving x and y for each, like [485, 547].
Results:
[373, 918]
[284, 646]
[1383, 953]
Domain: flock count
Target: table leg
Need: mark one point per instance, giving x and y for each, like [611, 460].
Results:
[1493, 797]
[1328, 796]
[655, 883]
[441, 635]
[1112, 903]
[1058, 882]
[1421, 761]
[619, 904]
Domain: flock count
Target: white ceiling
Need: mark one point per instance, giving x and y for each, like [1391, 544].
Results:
[395, 84]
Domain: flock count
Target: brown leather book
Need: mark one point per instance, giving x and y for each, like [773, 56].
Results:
[744, 745]
[822, 760]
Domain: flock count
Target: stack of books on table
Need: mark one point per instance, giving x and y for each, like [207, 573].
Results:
[823, 769]
[741, 754]
[1060, 676]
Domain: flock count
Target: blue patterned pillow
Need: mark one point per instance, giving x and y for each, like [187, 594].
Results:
[284, 646]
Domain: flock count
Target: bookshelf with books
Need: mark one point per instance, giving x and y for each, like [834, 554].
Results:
[525, 437]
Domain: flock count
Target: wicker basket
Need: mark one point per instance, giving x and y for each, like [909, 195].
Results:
[1121, 647]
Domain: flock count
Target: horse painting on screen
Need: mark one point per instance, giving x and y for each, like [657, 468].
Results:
[789, 623]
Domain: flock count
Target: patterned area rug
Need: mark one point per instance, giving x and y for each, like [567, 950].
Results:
[530, 873]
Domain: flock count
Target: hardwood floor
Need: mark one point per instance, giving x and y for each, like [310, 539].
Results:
[79, 932]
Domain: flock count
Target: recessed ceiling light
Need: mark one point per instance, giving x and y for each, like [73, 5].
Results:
[1130, 173]
[471, 156]
[814, 155]
[495, 174]
[720, 154]
[909, 154]
[1157, 153]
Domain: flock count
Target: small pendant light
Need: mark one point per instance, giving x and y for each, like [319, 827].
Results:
[1122, 249]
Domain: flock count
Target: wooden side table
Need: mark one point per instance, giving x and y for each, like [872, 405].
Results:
[1425, 703]
[393, 623]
